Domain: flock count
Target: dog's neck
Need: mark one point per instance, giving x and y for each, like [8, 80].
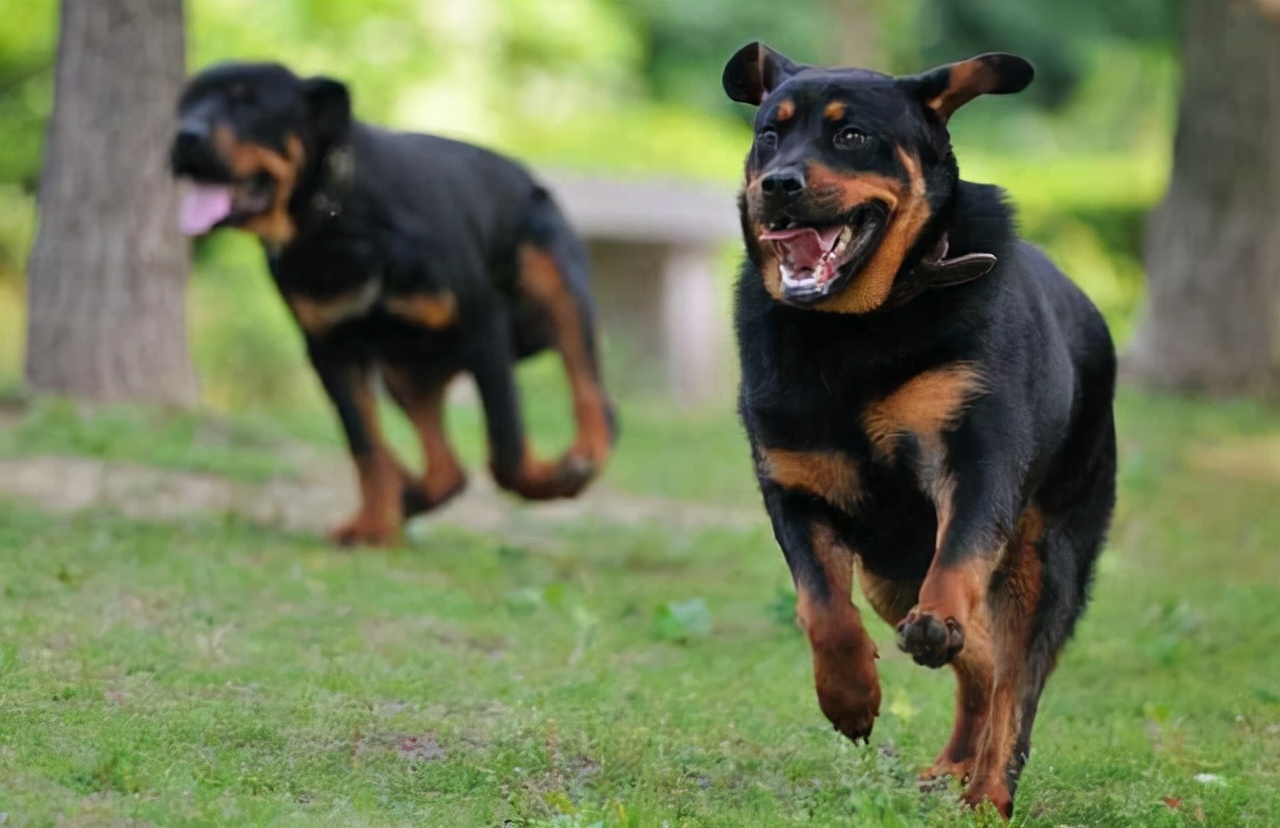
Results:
[328, 188]
[962, 245]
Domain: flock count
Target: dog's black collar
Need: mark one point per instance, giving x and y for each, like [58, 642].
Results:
[937, 271]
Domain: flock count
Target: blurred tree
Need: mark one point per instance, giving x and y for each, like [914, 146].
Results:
[1211, 321]
[107, 276]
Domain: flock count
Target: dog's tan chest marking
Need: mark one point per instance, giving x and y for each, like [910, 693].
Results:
[318, 316]
[431, 310]
[924, 406]
[832, 476]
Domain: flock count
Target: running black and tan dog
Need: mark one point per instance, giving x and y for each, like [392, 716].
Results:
[405, 258]
[928, 399]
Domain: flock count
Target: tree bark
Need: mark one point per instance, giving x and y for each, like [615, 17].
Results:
[1211, 320]
[108, 272]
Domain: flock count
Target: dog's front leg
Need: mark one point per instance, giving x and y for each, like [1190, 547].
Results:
[951, 612]
[844, 668]
[347, 378]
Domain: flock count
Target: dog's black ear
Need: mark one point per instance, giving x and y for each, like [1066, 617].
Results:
[754, 71]
[329, 105]
[947, 88]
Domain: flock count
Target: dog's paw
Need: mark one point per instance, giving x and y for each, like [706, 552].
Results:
[361, 531]
[944, 767]
[991, 790]
[930, 640]
[852, 711]
[419, 496]
[574, 472]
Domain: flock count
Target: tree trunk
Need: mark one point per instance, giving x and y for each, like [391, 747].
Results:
[108, 272]
[1211, 321]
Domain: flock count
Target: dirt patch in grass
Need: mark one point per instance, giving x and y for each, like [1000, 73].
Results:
[313, 499]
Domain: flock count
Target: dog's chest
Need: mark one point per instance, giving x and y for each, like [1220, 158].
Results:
[868, 439]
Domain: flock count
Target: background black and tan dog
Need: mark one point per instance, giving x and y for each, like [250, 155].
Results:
[409, 258]
[928, 399]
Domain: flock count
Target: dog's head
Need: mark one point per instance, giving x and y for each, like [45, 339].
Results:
[247, 133]
[848, 167]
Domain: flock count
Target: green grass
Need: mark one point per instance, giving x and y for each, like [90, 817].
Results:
[215, 673]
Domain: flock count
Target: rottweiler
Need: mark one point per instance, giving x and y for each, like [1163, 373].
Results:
[406, 259]
[928, 399]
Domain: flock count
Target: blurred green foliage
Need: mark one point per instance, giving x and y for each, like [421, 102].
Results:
[632, 88]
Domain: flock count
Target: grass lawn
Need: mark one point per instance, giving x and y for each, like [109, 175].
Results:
[210, 672]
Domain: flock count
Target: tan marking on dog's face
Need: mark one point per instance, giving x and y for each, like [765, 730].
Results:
[273, 225]
[871, 286]
[829, 191]
[829, 475]
[436, 311]
[319, 316]
[925, 405]
[835, 192]
[838, 192]
[834, 111]
[785, 111]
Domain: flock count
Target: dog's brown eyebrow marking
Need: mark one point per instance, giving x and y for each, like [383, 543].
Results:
[834, 111]
[786, 110]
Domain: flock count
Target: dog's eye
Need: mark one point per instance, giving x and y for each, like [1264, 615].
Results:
[767, 139]
[851, 139]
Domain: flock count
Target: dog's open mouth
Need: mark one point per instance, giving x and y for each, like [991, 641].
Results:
[816, 260]
[207, 205]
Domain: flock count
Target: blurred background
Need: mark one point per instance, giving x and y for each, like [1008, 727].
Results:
[168, 463]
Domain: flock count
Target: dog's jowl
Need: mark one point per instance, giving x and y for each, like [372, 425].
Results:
[928, 399]
[404, 258]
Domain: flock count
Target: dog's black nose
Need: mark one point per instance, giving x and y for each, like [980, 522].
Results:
[192, 152]
[187, 143]
[785, 183]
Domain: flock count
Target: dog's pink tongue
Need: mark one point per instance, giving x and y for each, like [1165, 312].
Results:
[804, 246]
[203, 206]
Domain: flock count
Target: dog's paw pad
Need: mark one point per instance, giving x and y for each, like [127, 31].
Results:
[930, 640]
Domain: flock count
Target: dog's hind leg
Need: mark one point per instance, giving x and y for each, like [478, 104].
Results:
[422, 400]
[974, 669]
[1014, 601]
[490, 357]
[552, 274]
[1071, 544]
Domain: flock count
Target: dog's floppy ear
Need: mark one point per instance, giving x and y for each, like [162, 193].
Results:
[755, 71]
[947, 88]
[329, 105]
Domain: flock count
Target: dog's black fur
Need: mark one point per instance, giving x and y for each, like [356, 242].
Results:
[928, 399]
[409, 258]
